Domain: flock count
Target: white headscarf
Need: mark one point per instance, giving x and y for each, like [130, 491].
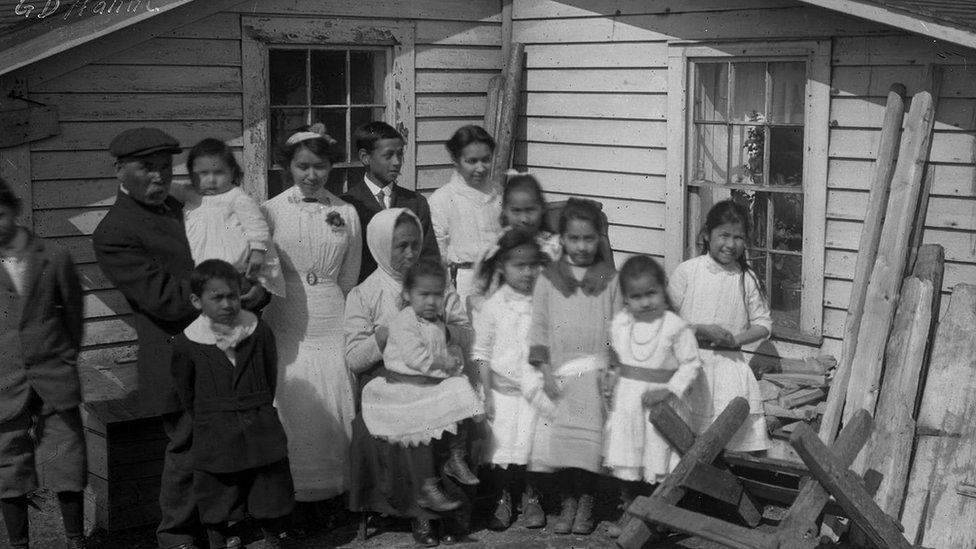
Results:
[379, 238]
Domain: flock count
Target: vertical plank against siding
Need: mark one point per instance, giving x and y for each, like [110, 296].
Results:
[403, 115]
[15, 165]
[254, 60]
[674, 198]
[816, 135]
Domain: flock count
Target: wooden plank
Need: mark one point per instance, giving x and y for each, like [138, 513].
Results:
[670, 491]
[179, 51]
[493, 112]
[395, 9]
[202, 12]
[616, 185]
[889, 452]
[867, 252]
[610, 132]
[459, 33]
[95, 107]
[947, 147]
[945, 425]
[23, 126]
[558, 9]
[459, 58]
[595, 157]
[702, 526]
[637, 240]
[952, 114]
[217, 26]
[597, 80]
[960, 81]
[597, 56]
[106, 303]
[84, 164]
[847, 489]
[142, 78]
[106, 331]
[508, 111]
[897, 50]
[453, 81]
[622, 212]
[78, 136]
[761, 24]
[934, 78]
[800, 522]
[882, 293]
[597, 105]
[955, 180]
[445, 105]
[16, 162]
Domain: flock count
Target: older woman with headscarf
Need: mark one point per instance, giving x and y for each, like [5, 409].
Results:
[387, 477]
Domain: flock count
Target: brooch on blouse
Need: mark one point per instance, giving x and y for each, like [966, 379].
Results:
[335, 220]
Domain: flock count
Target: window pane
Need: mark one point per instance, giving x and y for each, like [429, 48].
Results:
[758, 205]
[328, 77]
[711, 153]
[367, 76]
[287, 75]
[787, 283]
[285, 122]
[276, 183]
[789, 92]
[335, 125]
[749, 95]
[365, 115]
[788, 217]
[786, 155]
[758, 262]
[748, 145]
[712, 91]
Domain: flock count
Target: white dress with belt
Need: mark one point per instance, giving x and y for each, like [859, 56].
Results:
[320, 247]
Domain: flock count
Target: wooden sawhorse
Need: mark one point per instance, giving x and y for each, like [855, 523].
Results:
[702, 469]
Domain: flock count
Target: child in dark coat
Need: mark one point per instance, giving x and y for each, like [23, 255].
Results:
[40, 335]
[225, 371]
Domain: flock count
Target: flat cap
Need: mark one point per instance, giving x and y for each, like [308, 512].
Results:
[143, 142]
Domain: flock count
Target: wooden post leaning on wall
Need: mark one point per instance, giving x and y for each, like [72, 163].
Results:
[15, 165]
[884, 167]
[505, 138]
[881, 298]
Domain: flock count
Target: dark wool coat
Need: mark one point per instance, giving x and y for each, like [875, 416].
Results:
[40, 332]
[235, 424]
[143, 251]
[367, 206]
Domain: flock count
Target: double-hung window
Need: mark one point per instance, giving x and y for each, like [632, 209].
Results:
[751, 127]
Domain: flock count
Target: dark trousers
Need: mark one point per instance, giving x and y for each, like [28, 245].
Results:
[266, 492]
[180, 521]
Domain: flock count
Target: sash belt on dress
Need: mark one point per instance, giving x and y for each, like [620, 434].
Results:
[647, 375]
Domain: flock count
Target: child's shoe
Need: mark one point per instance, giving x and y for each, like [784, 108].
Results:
[583, 521]
[564, 524]
[423, 533]
[433, 498]
[532, 514]
[457, 468]
[501, 518]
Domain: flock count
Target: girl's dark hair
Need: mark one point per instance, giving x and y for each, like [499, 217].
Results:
[213, 269]
[422, 268]
[506, 243]
[324, 147]
[465, 136]
[583, 210]
[8, 197]
[527, 183]
[219, 149]
[640, 265]
[730, 212]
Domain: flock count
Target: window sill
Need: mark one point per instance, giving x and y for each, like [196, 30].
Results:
[796, 336]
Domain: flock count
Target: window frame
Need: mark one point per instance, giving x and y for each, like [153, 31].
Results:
[260, 33]
[680, 126]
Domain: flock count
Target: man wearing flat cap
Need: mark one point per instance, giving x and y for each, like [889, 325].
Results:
[141, 247]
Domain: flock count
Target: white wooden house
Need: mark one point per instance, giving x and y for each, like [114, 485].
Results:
[652, 107]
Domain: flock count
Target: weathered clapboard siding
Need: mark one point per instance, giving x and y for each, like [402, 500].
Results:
[596, 90]
[189, 82]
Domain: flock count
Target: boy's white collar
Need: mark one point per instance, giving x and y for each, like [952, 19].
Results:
[205, 331]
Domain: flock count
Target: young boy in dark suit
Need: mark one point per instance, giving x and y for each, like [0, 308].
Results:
[40, 335]
[225, 368]
[380, 149]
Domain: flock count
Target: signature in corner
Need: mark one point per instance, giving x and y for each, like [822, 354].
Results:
[27, 8]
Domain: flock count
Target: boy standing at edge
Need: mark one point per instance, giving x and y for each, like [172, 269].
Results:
[380, 149]
[40, 336]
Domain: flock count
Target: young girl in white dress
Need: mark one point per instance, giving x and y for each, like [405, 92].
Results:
[718, 293]
[222, 221]
[433, 399]
[656, 360]
[501, 350]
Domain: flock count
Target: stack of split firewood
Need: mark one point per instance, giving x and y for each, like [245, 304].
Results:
[796, 393]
